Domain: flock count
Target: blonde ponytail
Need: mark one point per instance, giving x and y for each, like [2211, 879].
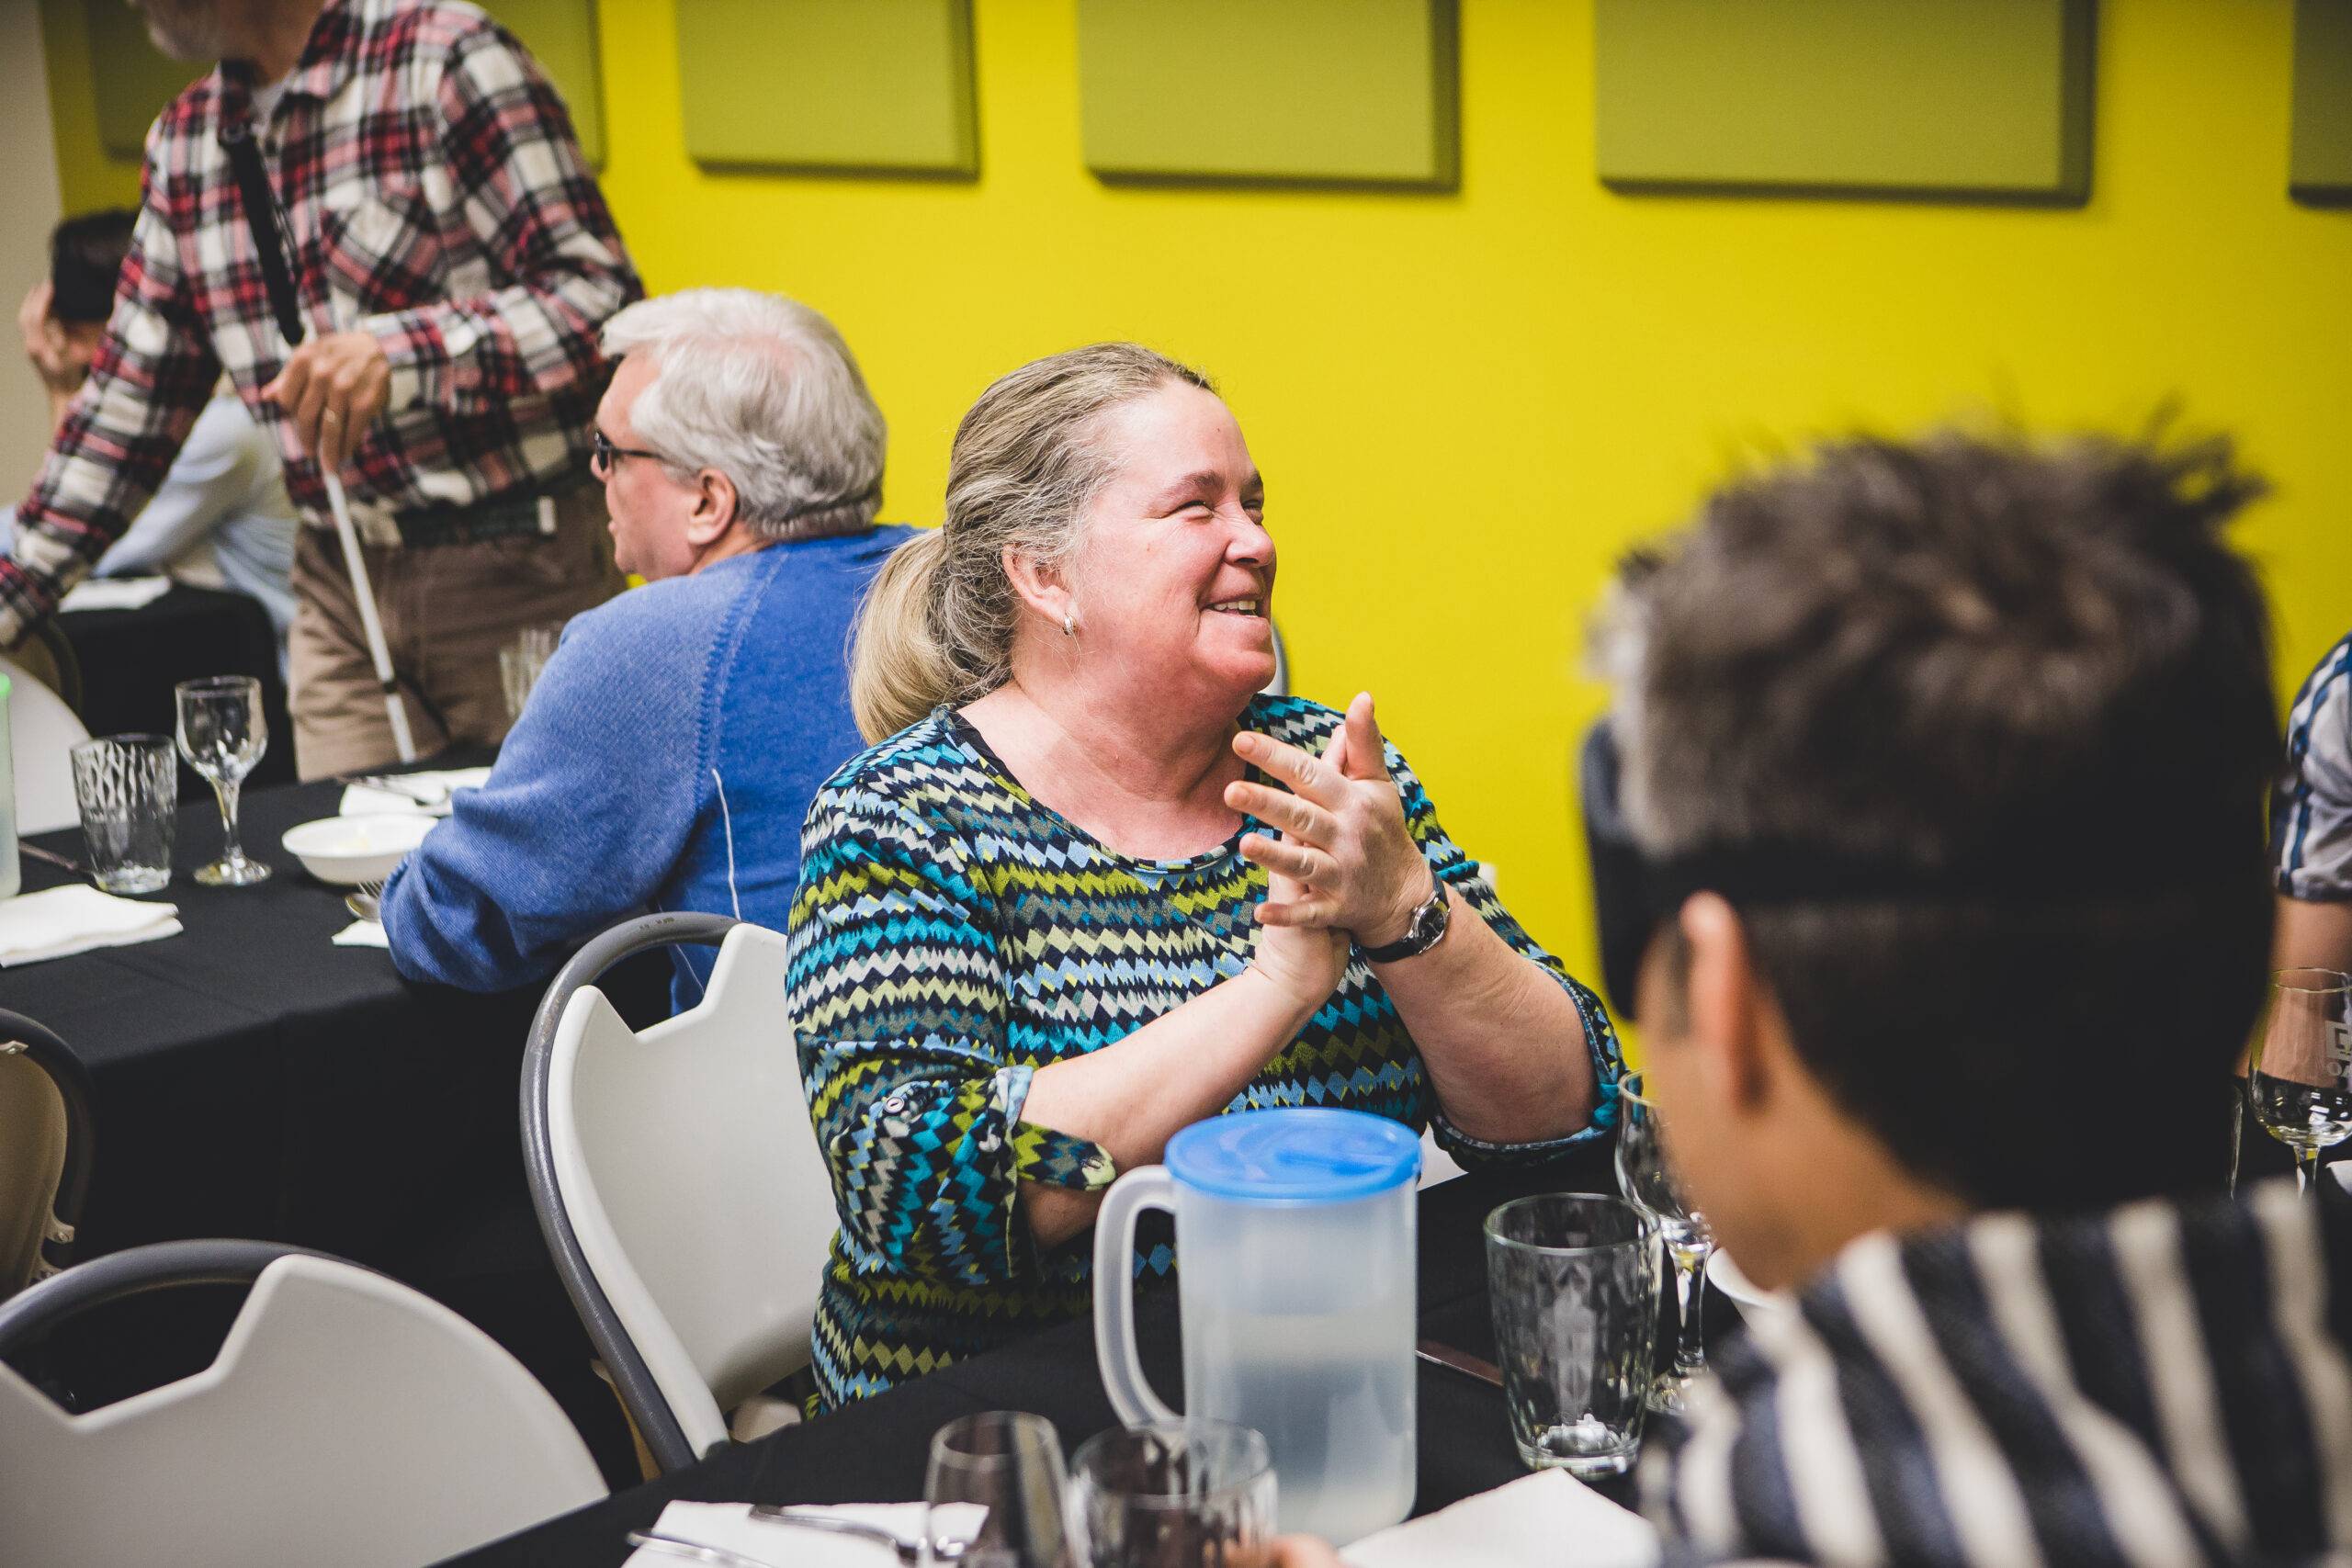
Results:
[897, 671]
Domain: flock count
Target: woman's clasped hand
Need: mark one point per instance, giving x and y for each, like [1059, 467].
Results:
[1346, 860]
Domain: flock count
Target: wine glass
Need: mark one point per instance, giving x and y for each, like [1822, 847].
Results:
[1647, 1181]
[2300, 1070]
[1009, 1462]
[223, 734]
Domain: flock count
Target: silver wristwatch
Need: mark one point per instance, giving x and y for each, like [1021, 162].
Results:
[1423, 931]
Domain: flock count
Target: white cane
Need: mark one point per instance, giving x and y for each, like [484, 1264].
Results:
[369, 622]
[267, 221]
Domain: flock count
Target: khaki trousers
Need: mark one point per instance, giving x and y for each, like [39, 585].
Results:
[447, 610]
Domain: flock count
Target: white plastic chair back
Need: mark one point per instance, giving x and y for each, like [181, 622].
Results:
[32, 1162]
[42, 732]
[690, 1173]
[347, 1419]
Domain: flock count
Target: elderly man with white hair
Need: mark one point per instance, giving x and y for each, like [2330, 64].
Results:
[670, 749]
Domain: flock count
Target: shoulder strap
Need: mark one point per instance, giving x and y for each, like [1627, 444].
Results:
[268, 223]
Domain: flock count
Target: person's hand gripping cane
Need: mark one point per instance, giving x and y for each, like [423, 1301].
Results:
[333, 388]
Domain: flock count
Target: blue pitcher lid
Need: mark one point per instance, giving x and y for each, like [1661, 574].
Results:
[1305, 1154]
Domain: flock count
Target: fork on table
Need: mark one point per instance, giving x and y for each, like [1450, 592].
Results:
[367, 901]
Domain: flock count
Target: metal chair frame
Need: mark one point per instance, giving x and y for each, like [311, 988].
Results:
[632, 1379]
[161, 1265]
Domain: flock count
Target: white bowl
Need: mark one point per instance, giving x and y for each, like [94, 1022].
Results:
[348, 850]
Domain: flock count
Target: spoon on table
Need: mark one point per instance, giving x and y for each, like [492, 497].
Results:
[367, 901]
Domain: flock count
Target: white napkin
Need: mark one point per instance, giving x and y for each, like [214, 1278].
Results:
[731, 1524]
[67, 920]
[426, 792]
[363, 934]
[116, 592]
[1550, 1517]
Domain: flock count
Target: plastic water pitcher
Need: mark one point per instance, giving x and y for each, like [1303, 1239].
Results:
[1296, 1269]
[11, 873]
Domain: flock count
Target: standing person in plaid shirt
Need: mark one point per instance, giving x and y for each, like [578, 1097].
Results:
[2311, 821]
[451, 261]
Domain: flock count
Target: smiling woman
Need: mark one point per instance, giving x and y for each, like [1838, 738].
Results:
[1095, 888]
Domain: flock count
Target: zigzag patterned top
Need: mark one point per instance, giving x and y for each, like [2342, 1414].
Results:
[951, 935]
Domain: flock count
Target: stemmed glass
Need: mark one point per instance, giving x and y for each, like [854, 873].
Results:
[2300, 1070]
[223, 733]
[1010, 1462]
[1647, 1181]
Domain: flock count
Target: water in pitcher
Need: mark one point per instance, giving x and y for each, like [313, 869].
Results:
[1333, 1394]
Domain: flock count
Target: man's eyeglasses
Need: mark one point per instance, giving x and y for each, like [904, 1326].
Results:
[603, 453]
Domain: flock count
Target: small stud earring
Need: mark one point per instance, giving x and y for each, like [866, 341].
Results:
[1069, 624]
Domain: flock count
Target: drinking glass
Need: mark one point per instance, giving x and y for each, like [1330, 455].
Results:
[2300, 1077]
[1645, 1174]
[127, 787]
[1572, 1277]
[222, 735]
[1197, 1495]
[1009, 1462]
[522, 659]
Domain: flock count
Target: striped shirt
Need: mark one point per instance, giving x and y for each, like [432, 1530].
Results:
[2162, 1384]
[950, 937]
[2310, 818]
[435, 197]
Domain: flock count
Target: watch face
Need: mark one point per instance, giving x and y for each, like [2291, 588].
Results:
[1432, 924]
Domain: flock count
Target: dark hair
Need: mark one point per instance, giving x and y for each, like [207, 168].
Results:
[84, 257]
[2036, 682]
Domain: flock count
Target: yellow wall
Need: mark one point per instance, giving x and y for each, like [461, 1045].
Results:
[87, 176]
[1468, 404]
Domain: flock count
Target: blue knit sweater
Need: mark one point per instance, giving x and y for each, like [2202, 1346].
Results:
[665, 762]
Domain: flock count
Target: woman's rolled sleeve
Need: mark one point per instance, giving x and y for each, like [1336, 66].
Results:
[899, 1003]
[1469, 879]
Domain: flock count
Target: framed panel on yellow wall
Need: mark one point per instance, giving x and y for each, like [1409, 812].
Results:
[1925, 99]
[562, 36]
[2320, 163]
[1317, 92]
[134, 80]
[852, 86]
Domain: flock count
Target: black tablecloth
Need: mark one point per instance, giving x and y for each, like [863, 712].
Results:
[132, 659]
[252, 1079]
[875, 1452]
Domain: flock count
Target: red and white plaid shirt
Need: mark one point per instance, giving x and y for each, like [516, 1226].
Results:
[435, 197]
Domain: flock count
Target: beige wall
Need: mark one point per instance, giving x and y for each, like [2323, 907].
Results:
[29, 198]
